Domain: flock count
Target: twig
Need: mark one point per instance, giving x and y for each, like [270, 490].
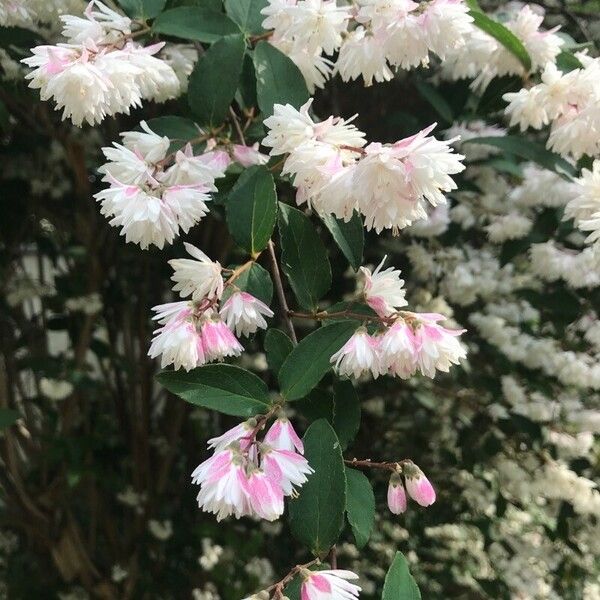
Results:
[280, 293]
[367, 463]
[236, 124]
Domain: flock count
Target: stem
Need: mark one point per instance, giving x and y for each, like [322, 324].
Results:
[277, 588]
[367, 463]
[262, 36]
[280, 293]
[322, 315]
[236, 124]
[353, 149]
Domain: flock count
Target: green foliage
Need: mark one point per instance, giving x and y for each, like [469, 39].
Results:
[308, 362]
[437, 101]
[317, 515]
[246, 13]
[225, 388]
[252, 209]
[278, 79]
[256, 281]
[303, 257]
[8, 416]
[195, 23]
[360, 506]
[142, 9]
[277, 347]
[399, 583]
[349, 236]
[215, 79]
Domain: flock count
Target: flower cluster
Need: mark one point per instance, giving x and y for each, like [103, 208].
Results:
[419, 488]
[371, 38]
[409, 342]
[331, 584]
[200, 330]
[390, 184]
[585, 208]
[569, 102]
[245, 477]
[482, 58]
[150, 201]
[100, 70]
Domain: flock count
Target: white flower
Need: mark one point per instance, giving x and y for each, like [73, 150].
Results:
[288, 128]
[585, 208]
[512, 226]
[446, 25]
[200, 278]
[383, 289]
[244, 313]
[55, 389]
[358, 356]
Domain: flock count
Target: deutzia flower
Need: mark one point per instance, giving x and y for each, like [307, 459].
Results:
[397, 350]
[419, 488]
[396, 496]
[585, 208]
[283, 436]
[200, 278]
[244, 313]
[383, 289]
[285, 466]
[218, 341]
[328, 585]
[358, 356]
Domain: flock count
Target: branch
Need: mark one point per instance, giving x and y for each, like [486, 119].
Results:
[280, 293]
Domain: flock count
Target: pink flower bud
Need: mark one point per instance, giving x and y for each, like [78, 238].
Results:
[396, 495]
[419, 487]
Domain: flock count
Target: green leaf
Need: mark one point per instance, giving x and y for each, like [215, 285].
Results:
[399, 583]
[317, 515]
[256, 281]
[252, 209]
[225, 388]
[142, 9]
[178, 129]
[346, 411]
[360, 506]
[436, 100]
[277, 347]
[278, 79]
[506, 37]
[195, 23]
[303, 257]
[8, 417]
[246, 13]
[349, 236]
[566, 61]
[308, 362]
[525, 148]
[215, 78]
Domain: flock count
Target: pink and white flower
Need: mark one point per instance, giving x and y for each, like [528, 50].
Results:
[396, 496]
[331, 584]
[398, 353]
[383, 289]
[286, 467]
[244, 313]
[419, 488]
[249, 155]
[199, 278]
[265, 494]
[241, 433]
[358, 356]
[218, 341]
[282, 436]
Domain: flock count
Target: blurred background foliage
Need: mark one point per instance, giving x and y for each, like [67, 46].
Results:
[96, 498]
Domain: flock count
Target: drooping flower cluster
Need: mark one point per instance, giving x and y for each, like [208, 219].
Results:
[100, 70]
[372, 38]
[149, 200]
[390, 184]
[409, 342]
[482, 57]
[419, 488]
[200, 330]
[245, 477]
[568, 102]
[585, 208]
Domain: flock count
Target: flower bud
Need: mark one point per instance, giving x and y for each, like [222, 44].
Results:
[418, 486]
[396, 495]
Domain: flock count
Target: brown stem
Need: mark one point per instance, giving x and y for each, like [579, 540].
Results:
[236, 124]
[322, 315]
[262, 36]
[353, 149]
[280, 293]
[277, 588]
[367, 463]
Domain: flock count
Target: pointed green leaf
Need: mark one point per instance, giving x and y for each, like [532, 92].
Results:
[195, 23]
[277, 347]
[142, 9]
[256, 281]
[252, 209]
[278, 79]
[215, 78]
[360, 506]
[308, 362]
[246, 13]
[349, 236]
[346, 411]
[505, 36]
[399, 583]
[303, 257]
[225, 388]
[317, 515]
